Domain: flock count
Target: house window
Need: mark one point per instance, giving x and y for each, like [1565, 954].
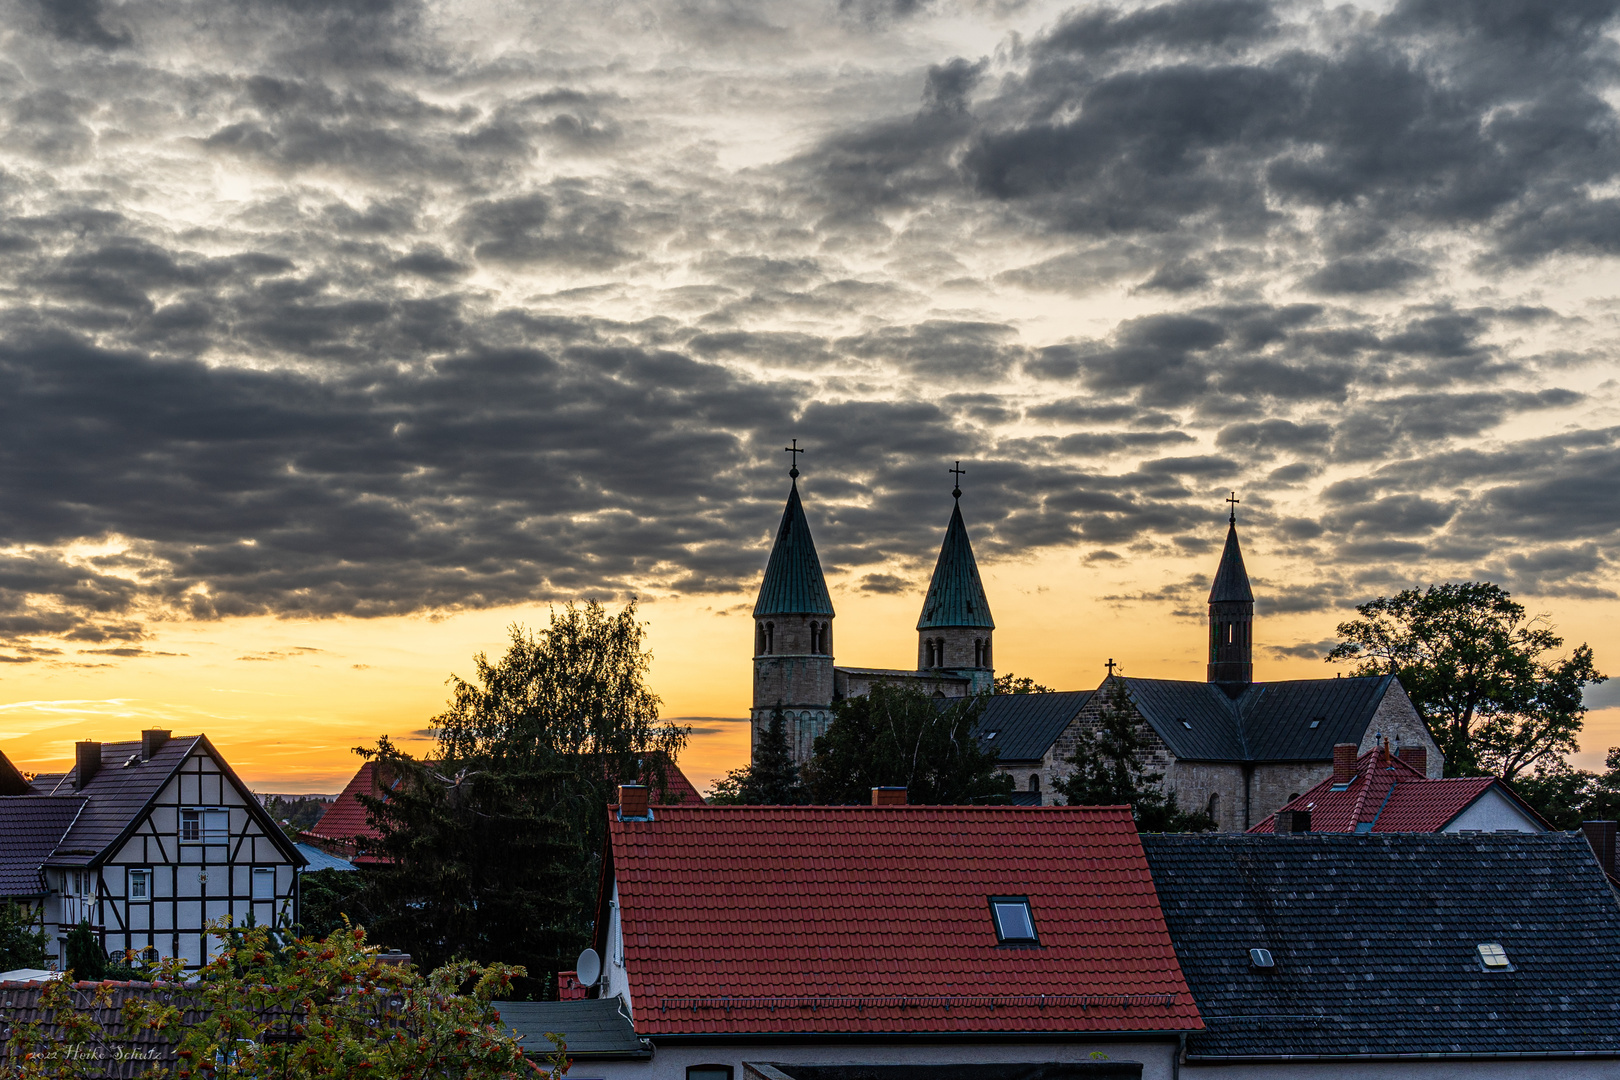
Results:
[140, 884]
[205, 826]
[1015, 923]
[264, 883]
[708, 1072]
[1035, 782]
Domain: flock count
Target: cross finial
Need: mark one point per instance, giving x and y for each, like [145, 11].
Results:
[1111, 666]
[795, 450]
[958, 472]
[1234, 500]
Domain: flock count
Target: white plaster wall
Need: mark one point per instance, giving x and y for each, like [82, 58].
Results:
[1432, 1069]
[1493, 811]
[670, 1061]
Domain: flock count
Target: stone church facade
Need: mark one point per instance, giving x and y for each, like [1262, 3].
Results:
[1236, 748]
[793, 632]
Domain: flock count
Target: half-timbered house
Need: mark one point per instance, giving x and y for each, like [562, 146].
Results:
[149, 842]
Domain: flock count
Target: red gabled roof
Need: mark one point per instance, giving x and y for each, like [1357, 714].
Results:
[1391, 796]
[345, 820]
[678, 790]
[779, 919]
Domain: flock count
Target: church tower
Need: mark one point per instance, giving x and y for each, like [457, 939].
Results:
[793, 664]
[955, 628]
[1231, 617]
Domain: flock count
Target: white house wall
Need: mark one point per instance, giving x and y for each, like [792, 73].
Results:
[1431, 1069]
[671, 1060]
[191, 884]
[1491, 812]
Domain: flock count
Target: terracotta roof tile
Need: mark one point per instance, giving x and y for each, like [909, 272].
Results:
[877, 919]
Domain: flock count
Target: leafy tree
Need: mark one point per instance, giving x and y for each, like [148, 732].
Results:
[85, 956]
[1109, 770]
[771, 779]
[469, 863]
[1478, 671]
[22, 938]
[265, 1009]
[326, 898]
[897, 736]
[1567, 796]
[1008, 683]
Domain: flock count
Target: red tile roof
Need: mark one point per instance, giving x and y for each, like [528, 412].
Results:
[777, 919]
[345, 820]
[678, 790]
[1391, 796]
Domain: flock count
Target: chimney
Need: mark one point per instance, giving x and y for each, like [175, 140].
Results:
[152, 741]
[888, 796]
[1344, 762]
[1601, 835]
[633, 803]
[1293, 821]
[86, 763]
[1417, 757]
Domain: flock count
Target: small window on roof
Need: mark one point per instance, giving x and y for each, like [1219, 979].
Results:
[1262, 958]
[1493, 957]
[1186, 725]
[990, 736]
[1315, 723]
[1015, 923]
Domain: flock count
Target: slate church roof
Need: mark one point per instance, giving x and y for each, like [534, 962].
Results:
[1297, 720]
[956, 595]
[793, 583]
[1022, 727]
[1376, 941]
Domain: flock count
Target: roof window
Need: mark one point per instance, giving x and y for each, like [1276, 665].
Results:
[1492, 957]
[1316, 723]
[1186, 725]
[1262, 959]
[1015, 924]
[990, 736]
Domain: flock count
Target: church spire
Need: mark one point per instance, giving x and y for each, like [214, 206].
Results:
[1231, 615]
[955, 625]
[794, 584]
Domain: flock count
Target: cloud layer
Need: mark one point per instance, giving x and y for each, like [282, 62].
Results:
[384, 307]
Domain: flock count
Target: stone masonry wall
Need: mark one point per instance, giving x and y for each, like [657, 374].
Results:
[1397, 720]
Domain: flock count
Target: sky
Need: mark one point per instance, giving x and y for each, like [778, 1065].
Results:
[337, 337]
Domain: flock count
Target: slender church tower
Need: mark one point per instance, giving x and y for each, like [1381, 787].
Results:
[955, 628]
[1231, 617]
[793, 664]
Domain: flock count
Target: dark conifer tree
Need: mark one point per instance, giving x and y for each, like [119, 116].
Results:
[773, 778]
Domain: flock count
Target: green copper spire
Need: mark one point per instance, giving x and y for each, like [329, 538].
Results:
[793, 582]
[956, 595]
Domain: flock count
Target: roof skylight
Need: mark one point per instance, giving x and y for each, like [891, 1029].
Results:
[1186, 725]
[1316, 723]
[990, 736]
[1015, 923]
[1494, 957]
[1262, 958]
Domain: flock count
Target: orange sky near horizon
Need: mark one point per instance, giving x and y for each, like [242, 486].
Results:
[286, 700]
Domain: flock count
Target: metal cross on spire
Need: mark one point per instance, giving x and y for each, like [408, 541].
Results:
[1234, 500]
[1111, 666]
[958, 472]
[795, 450]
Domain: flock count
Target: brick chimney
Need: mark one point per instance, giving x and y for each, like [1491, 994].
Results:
[1417, 757]
[633, 803]
[1344, 762]
[152, 741]
[86, 763]
[1601, 835]
[888, 796]
[1293, 821]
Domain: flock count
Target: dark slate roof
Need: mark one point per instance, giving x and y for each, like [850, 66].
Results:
[1231, 579]
[793, 582]
[956, 595]
[1026, 725]
[1267, 722]
[120, 791]
[593, 1027]
[1375, 939]
[31, 826]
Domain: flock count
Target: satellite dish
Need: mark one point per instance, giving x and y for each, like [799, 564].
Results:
[588, 967]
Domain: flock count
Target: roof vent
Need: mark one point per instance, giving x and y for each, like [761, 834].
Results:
[1262, 959]
[1492, 957]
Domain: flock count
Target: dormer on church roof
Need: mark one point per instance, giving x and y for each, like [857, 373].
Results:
[956, 595]
[794, 584]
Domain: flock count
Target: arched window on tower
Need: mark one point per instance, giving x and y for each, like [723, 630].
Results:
[1213, 807]
[770, 638]
[1035, 782]
[815, 637]
[978, 652]
[759, 639]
